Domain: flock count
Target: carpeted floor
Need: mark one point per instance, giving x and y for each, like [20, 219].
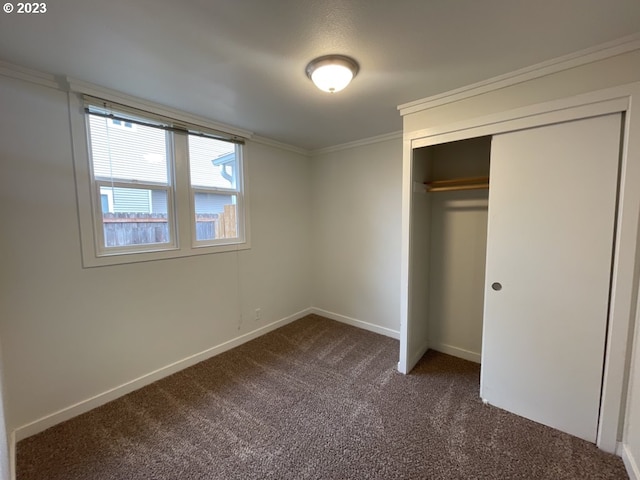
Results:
[315, 399]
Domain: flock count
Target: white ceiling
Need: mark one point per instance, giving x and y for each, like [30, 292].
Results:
[241, 62]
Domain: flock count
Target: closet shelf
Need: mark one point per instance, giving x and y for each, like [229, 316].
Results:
[466, 183]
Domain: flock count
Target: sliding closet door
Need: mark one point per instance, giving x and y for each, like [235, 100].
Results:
[552, 208]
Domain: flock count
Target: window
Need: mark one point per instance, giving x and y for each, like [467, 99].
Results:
[159, 188]
[215, 178]
[132, 170]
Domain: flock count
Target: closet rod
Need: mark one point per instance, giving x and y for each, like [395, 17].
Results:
[457, 181]
[451, 188]
[465, 183]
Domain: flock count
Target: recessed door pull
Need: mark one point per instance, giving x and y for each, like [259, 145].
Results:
[496, 286]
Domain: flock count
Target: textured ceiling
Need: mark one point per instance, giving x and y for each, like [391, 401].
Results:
[241, 62]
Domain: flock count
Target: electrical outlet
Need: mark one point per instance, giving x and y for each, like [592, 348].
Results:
[257, 314]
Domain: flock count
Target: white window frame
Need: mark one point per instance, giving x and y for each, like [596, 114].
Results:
[180, 210]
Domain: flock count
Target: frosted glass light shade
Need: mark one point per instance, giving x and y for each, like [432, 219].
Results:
[332, 73]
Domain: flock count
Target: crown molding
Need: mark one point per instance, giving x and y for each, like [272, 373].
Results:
[358, 143]
[280, 145]
[572, 60]
[12, 70]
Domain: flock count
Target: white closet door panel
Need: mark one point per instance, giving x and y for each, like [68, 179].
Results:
[550, 237]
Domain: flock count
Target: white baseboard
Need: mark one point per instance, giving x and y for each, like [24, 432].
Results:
[387, 332]
[84, 406]
[630, 463]
[456, 352]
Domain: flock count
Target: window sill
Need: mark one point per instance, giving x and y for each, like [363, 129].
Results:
[90, 260]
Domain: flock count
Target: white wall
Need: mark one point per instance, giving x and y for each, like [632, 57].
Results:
[71, 333]
[458, 257]
[356, 234]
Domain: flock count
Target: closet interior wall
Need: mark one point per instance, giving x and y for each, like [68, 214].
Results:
[457, 245]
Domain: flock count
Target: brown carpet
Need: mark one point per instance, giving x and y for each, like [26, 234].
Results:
[315, 399]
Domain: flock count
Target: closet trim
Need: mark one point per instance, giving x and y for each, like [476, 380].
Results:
[582, 106]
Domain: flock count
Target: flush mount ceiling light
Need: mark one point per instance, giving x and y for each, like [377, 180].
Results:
[332, 73]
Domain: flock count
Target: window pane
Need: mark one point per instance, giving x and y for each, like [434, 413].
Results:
[212, 163]
[215, 216]
[135, 216]
[126, 151]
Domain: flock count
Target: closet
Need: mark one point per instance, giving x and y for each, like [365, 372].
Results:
[519, 275]
[456, 180]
